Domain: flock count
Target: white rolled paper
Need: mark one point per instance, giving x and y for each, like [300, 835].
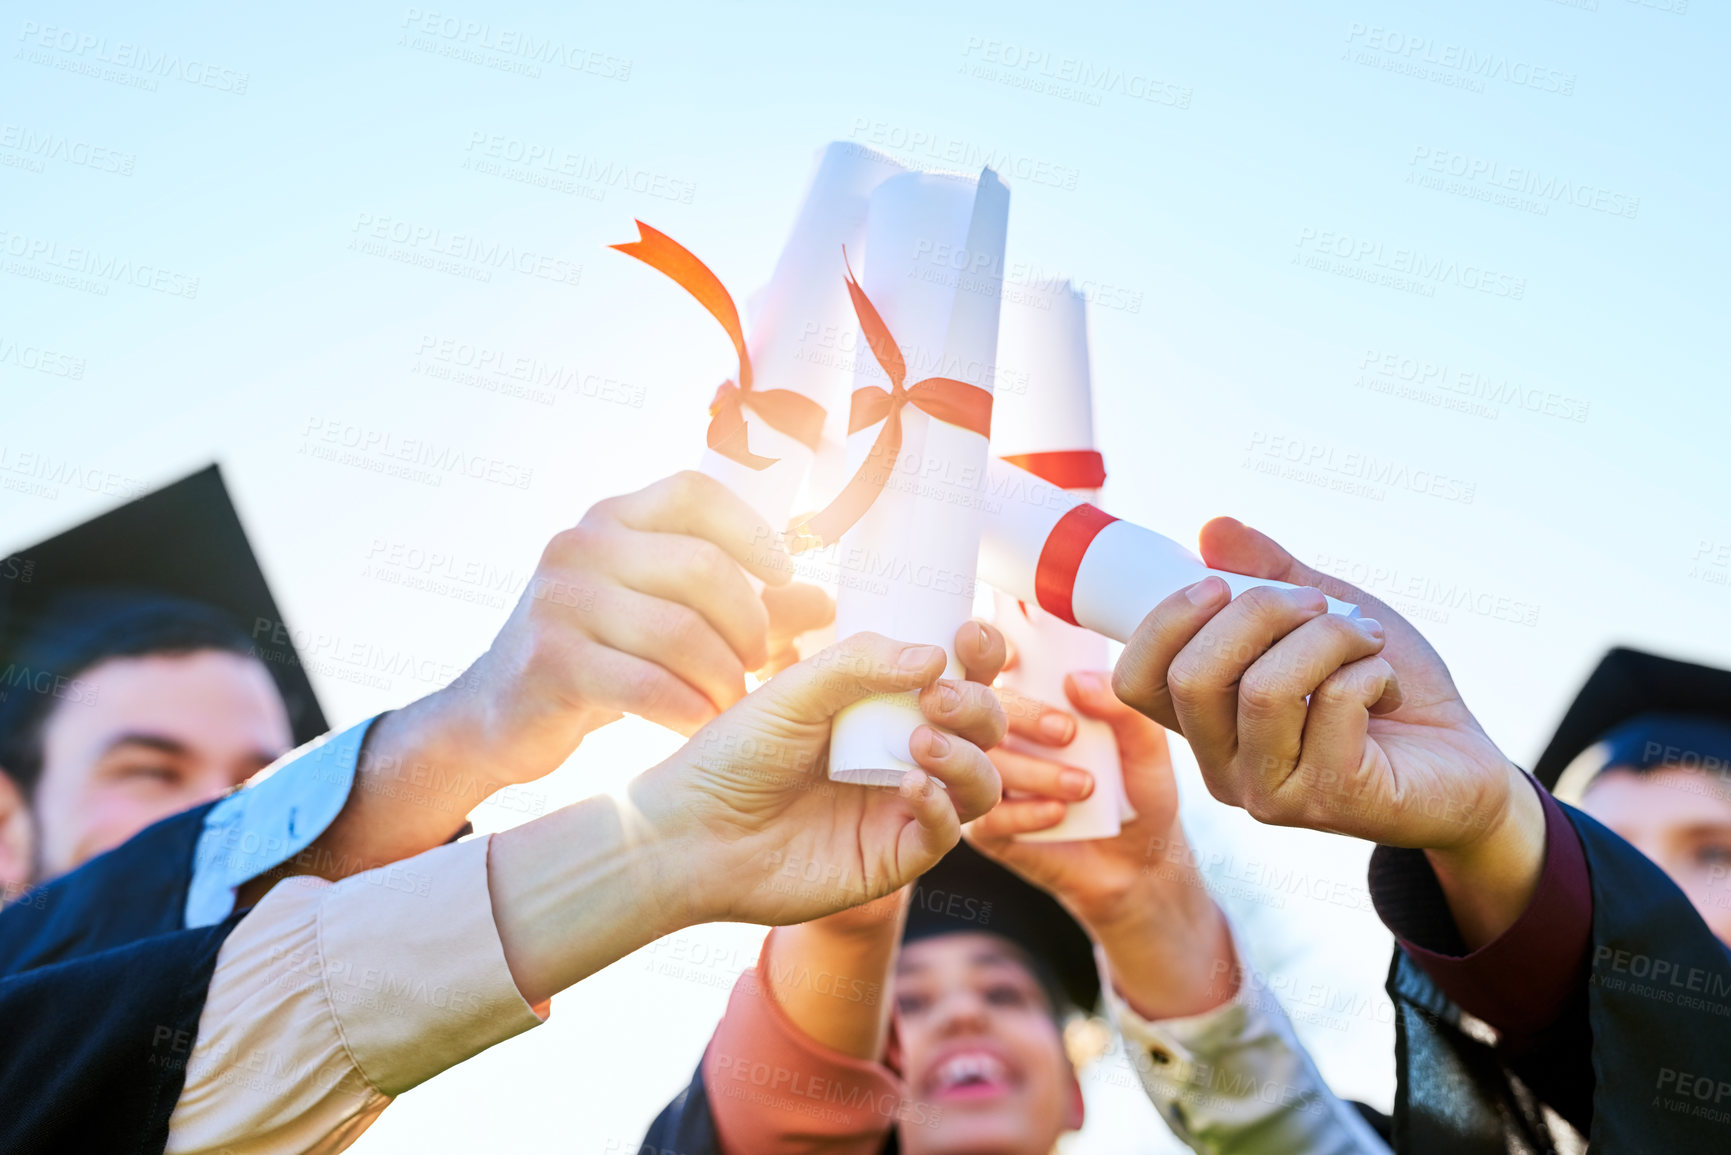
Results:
[1124, 572]
[795, 318]
[933, 269]
[1044, 404]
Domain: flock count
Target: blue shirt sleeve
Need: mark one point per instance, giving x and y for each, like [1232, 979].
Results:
[266, 824]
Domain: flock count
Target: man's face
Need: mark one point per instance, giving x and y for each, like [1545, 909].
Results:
[1681, 819]
[980, 1050]
[149, 737]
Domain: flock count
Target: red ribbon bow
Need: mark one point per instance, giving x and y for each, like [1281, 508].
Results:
[957, 402]
[791, 413]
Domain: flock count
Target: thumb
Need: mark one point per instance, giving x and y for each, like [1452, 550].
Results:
[820, 687]
[1229, 544]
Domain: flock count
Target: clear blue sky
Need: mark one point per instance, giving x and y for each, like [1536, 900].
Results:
[1433, 292]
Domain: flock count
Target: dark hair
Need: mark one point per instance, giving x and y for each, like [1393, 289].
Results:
[78, 631]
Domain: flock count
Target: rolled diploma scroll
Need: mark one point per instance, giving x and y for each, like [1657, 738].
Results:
[934, 261]
[805, 300]
[1047, 649]
[1124, 570]
[1043, 340]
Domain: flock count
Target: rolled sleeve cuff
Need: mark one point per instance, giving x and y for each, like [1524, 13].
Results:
[774, 1089]
[1519, 982]
[414, 968]
[268, 822]
[1236, 1078]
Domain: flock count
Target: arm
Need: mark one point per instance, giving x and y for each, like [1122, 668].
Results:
[380, 981]
[862, 942]
[644, 607]
[1306, 718]
[1220, 1063]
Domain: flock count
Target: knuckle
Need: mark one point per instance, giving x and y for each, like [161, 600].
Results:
[705, 562]
[647, 689]
[1339, 689]
[1185, 681]
[1265, 808]
[1262, 600]
[1261, 694]
[686, 488]
[681, 625]
[569, 546]
[1220, 790]
[1127, 687]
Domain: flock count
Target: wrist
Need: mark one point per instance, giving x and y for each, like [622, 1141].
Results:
[868, 924]
[429, 741]
[500, 726]
[1169, 912]
[1175, 961]
[688, 869]
[1489, 879]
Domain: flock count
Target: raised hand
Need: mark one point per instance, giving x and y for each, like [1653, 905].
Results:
[782, 843]
[643, 607]
[1309, 719]
[1139, 895]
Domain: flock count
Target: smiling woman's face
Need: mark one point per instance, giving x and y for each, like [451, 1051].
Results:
[146, 738]
[1681, 819]
[980, 1047]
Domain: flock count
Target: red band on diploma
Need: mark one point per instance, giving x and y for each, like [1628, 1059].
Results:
[1061, 557]
[791, 413]
[956, 402]
[1065, 468]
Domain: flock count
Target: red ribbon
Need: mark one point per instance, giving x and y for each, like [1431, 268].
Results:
[957, 402]
[1061, 557]
[791, 413]
[1064, 468]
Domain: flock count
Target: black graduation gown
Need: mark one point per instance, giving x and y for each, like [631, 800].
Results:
[1641, 1061]
[100, 995]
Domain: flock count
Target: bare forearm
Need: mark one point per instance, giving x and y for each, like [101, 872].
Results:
[1489, 882]
[1168, 945]
[423, 768]
[833, 976]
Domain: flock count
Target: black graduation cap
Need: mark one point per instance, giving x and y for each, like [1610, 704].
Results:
[1642, 711]
[966, 891]
[178, 551]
